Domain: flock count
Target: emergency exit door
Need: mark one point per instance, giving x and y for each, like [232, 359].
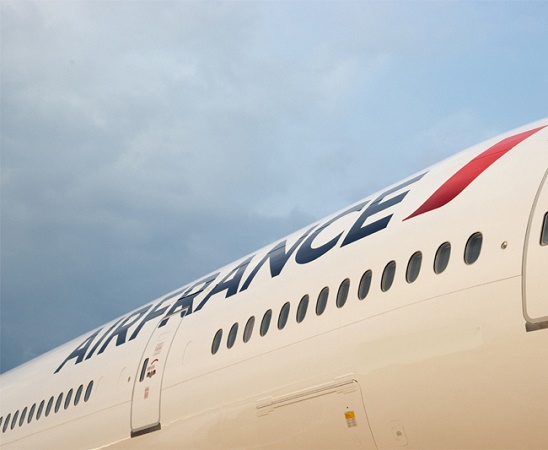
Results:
[535, 267]
[145, 406]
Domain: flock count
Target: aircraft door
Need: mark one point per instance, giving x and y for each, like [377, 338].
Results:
[535, 262]
[145, 407]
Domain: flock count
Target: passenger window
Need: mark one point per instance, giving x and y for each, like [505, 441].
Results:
[441, 260]
[413, 267]
[31, 413]
[342, 294]
[6, 423]
[78, 395]
[88, 391]
[23, 415]
[388, 276]
[544, 234]
[284, 314]
[232, 335]
[40, 409]
[216, 341]
[301, 310]
[322, 301]
[14, 420]
[365, 284]
[58, 402]
[50, 404]
[473, 248]
[265, 323]
[248, 330]
[68, 398]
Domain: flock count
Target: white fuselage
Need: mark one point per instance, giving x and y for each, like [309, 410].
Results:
[455, 359]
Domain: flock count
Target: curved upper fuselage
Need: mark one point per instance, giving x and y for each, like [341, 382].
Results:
[413, 303]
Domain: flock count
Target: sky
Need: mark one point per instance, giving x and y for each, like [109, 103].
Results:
[147, 143]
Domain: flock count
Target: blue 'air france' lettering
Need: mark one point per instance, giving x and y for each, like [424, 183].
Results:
[306, 249]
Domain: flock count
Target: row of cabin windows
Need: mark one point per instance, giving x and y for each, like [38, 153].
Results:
[11, 422]
[472, 251]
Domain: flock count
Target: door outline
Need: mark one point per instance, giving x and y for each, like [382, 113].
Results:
[147, 386]
[534, 321]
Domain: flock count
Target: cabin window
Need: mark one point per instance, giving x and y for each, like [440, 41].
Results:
[232, 335]
[88, 391]
[217, 341]
[441, 260]
[265, 323]
[413, 267]
[6, 423]
[50, 404]
[31, 413]
[67, 399]
[23, 415]
[284, 314]
[342, 294]
[58, 402]
[78, 394]
[248, 330]
[40, 409]
[388, 276]
[473, 248]
[322, 301]
[544, 234]
[301, 310]
[365, 284]
[14, 420]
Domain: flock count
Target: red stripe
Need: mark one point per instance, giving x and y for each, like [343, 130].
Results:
[460, 180]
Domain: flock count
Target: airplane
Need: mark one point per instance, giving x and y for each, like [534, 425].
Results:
[415, 318]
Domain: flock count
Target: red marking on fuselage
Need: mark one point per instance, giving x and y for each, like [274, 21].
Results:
[460, 180]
